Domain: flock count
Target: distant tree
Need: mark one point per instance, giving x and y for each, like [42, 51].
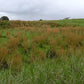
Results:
[66, 18]
[4, 18]
[40, 20]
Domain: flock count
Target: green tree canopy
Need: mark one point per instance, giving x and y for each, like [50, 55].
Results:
[4, 18]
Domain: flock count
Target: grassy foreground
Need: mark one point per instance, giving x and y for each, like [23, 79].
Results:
[42, 52]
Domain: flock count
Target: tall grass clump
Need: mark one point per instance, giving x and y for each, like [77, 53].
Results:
[4, 53]
[16, 62]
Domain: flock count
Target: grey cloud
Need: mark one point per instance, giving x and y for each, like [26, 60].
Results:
[45, 9]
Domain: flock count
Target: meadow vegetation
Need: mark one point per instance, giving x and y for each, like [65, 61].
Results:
[42, 52]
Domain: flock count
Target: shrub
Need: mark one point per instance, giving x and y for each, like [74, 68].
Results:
[4, 18]
[40, 20]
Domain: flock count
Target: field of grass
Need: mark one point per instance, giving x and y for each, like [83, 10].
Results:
[42, 52]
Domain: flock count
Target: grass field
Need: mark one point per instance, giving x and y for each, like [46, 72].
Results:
[42, 52]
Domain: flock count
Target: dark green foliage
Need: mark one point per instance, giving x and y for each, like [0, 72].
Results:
[40, 20]
[4, 65]
[51, 53]
[4, 24]
[4, 18]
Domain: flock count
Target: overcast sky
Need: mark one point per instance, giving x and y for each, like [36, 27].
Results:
[41, 9]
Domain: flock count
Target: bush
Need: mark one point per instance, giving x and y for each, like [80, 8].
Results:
[4, 18]
[40, 20]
